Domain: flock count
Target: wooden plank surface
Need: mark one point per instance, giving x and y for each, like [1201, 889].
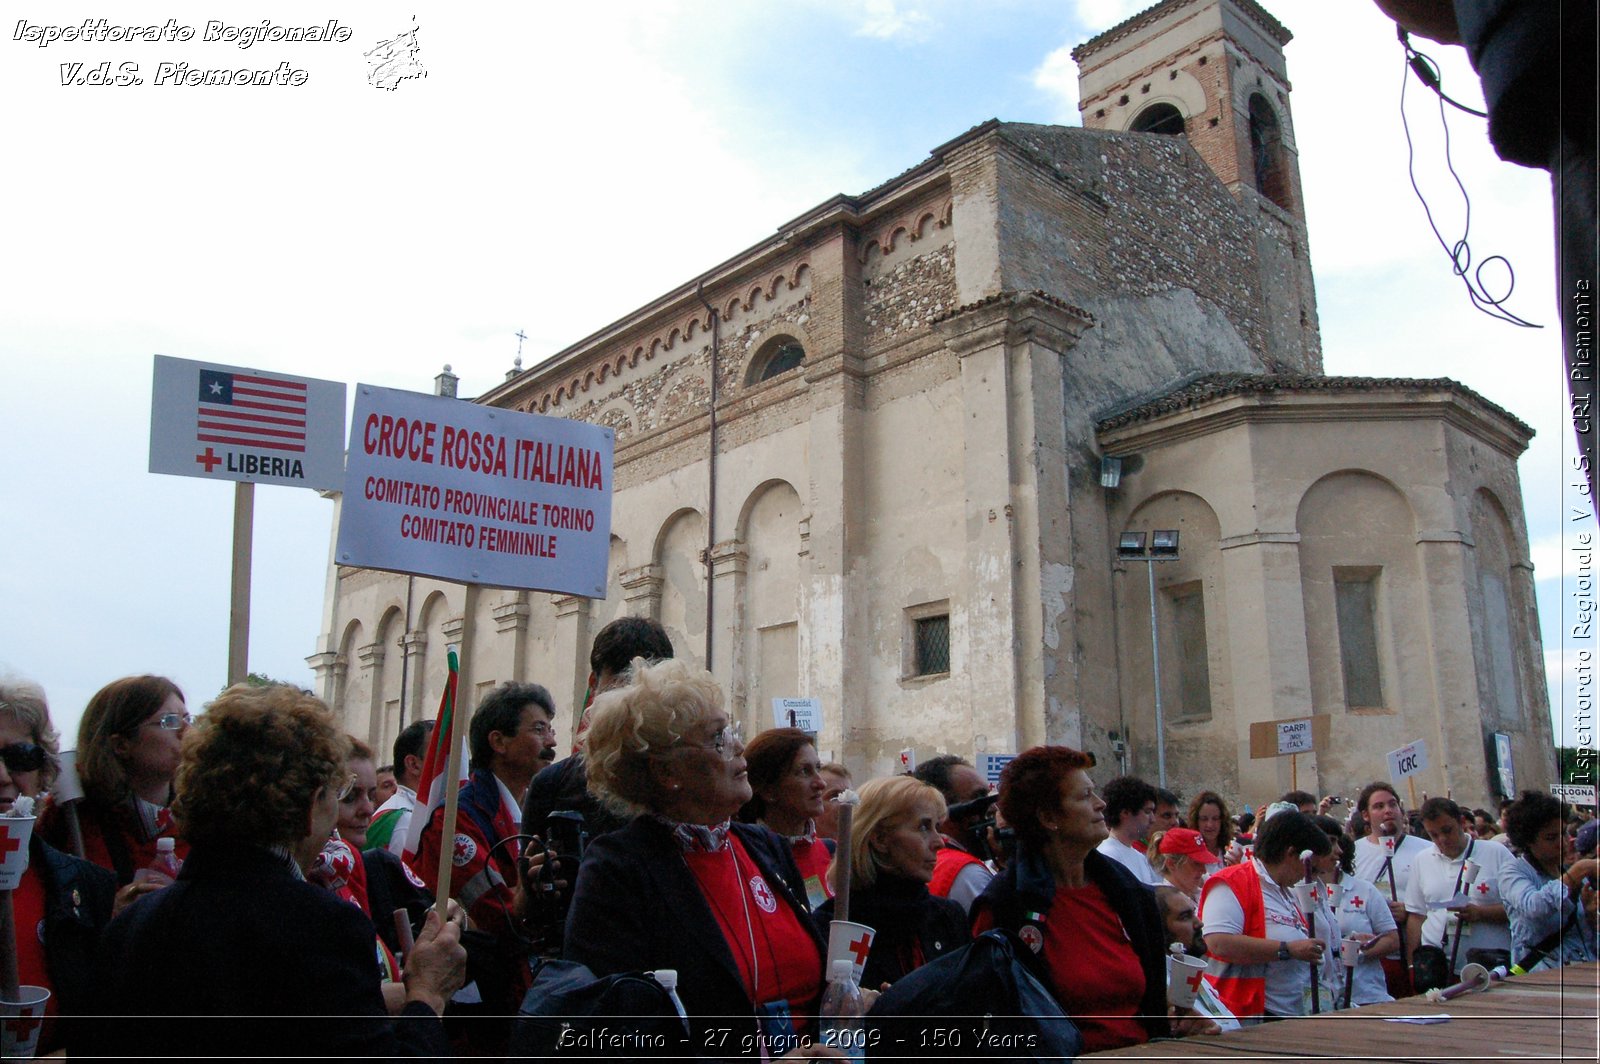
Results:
[1543, 1016]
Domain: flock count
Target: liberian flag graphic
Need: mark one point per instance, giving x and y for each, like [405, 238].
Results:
[430, 788]
[250, 410]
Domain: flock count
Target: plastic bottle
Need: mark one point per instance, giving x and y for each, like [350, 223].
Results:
[840, 1015]
[164, 869]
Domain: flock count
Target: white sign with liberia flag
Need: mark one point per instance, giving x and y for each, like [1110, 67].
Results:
[229, 423]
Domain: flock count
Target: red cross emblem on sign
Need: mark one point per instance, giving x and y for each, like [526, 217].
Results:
[1483, 888]
[1194, 980]
[9, 845]
[209, 459]
[861, 947]
[23, 1026]
[1358, 902]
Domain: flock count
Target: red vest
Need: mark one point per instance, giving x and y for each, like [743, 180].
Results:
[1242, 986]
[948, 864]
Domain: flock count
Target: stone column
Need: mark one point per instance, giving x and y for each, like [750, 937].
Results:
[1017, 533]
[570, 661]
[414, 644]
[728, 560]
[641, 590]
[323, 668]
[511, 618]
[371, 657]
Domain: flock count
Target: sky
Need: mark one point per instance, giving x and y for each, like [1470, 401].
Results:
[558, 166]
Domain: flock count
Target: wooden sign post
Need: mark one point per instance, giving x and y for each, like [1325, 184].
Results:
[1289, 738]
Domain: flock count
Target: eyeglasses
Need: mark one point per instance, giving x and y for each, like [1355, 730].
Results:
[23, 757]
[543, 729]
[727, 737]
[348, 791]
[172, 721]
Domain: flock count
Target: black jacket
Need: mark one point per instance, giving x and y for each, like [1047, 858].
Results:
[78, 897]
[901, 912]
[1027, 886]
[565, 786]
[637, 907]
[292, 967]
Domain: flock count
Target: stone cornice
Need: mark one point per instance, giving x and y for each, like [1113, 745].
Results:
[1375, 403]
[1013, 318]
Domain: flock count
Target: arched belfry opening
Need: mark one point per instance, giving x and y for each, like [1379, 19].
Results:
[1266, 152]
[1159, 118]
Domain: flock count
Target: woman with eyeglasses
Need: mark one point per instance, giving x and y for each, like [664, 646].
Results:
[787, 786]
[1549, 897]
[67, 899]
[684, 885]
[128, 747]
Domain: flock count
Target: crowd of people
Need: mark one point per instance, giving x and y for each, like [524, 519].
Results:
[664, 842]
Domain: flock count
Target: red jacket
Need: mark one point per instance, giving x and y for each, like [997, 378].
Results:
[948, 864]
[1241, 986]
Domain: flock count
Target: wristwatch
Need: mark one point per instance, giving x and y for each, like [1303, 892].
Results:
[1283, 951]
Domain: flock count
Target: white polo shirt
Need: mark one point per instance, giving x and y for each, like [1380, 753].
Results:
[1433, 883]
[1370, 866]
[1363, 910]
[1132, 860]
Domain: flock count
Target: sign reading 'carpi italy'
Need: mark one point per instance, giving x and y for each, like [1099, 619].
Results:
[442, 487]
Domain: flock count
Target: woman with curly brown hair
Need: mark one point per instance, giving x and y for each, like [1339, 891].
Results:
[241, 933]
[128, 742]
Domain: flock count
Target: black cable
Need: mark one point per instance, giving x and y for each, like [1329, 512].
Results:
[1461, 253]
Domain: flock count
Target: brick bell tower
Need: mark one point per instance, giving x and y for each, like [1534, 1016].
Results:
[1210, 70]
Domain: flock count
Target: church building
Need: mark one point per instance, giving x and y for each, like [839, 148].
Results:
[920, 455]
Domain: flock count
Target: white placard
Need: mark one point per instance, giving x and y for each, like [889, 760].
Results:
[1409, 760]
[1576, 793]
[991, 765]
[442, 487]
[230, 423]
[1294, 736]
[908, 760]
[806, 713]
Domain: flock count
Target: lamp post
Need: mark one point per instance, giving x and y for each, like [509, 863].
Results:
[1163, 547]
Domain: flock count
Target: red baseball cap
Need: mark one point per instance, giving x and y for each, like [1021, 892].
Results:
[1187, 842]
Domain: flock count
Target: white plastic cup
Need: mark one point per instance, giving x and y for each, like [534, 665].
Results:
[1350, 951]
[1335, 894]
[1388, 844]
[1183, 980]
[849, 941]
[1306, 895]
[21, 1021]
[15, 831]
[1469, 873]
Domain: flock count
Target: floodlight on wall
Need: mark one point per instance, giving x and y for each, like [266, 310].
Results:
[1131, 545]
[1110, 472]
[1164, 543]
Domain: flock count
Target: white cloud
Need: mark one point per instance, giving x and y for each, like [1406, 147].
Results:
[1057, 77]
[886, 21]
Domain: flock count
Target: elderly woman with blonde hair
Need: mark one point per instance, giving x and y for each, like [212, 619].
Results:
[893, 845]
[683, 886]
[241, 933]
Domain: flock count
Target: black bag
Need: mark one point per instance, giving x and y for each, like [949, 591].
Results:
[1430, 969]
[978, 1002]
[570, 1014]
[1490, 958]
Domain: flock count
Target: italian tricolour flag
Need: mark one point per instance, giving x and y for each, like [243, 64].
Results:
[430, 788]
